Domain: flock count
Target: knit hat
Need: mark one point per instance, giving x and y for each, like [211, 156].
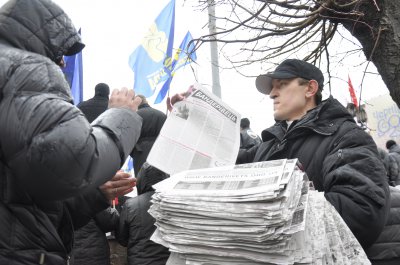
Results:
[102, 89]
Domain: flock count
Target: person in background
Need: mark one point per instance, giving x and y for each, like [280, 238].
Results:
[56, 169]
[91, 244]
[394, 162]
[153, 121]
[248, 138]
[136, 225]
[93, 107]
[392, 146]
[384, 156]
[339, 157]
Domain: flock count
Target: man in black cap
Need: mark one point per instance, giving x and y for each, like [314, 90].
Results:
[338, 156]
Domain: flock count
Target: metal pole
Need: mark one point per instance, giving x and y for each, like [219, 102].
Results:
[216, 87]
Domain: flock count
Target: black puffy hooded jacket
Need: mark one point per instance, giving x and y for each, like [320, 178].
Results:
[51, 158]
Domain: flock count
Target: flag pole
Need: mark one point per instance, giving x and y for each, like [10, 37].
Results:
[216, 87]
[166, 111]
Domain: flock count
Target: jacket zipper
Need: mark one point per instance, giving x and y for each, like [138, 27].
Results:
[43, 256]
[340, 153]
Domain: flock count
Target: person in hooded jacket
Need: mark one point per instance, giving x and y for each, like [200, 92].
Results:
[136, 225]
[96, 105]
[394, 162]
[248, 138]
[56, 169]
[394, 168]
[91, 244]
[338, 156]
[392, 146]
[153, 121]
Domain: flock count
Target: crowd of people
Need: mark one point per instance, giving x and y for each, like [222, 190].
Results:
[60, 164]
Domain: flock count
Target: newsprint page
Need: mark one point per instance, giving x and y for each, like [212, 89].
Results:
[201, 132]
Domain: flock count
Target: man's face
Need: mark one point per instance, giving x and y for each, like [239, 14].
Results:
[289, 99]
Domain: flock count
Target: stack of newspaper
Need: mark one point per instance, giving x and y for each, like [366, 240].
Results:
[258, 213]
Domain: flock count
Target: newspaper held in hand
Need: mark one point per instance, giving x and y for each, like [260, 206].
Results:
[201, 132]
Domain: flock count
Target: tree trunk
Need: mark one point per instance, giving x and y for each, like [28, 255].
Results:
[386, 31]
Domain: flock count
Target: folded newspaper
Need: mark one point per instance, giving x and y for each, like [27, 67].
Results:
[201, 132]
[258, 213]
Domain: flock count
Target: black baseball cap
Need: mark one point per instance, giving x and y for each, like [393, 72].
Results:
[290, 68]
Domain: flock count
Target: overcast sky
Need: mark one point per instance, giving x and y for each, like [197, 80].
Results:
[112, 29]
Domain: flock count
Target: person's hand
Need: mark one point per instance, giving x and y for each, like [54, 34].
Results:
[122, 183]
[124, 98]
[178, 97]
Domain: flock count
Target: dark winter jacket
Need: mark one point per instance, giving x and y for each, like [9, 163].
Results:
[153, 121]
[341, 160]
[394, 149]
[386, 250]
[93, 107]
[384, 156]
[394, 165]
[91, 244]
[137, 225]
[248, 139]
[51, 158]
[394, 168]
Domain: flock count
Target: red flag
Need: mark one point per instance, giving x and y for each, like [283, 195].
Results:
[352, 93]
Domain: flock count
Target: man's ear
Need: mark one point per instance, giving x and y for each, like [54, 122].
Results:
[312, 88]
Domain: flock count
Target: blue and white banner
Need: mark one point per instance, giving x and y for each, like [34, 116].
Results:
[152, 60]
[183, 56]
[73, 72]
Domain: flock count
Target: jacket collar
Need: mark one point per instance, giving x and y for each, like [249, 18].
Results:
[144, 105]
[324, 119]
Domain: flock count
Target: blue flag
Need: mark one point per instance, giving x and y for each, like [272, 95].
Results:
[151, 61]
[128, 165]
[73, 72]
[183, 56]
